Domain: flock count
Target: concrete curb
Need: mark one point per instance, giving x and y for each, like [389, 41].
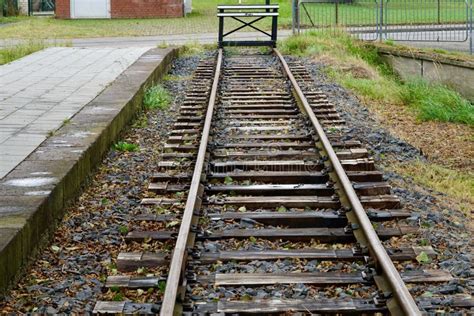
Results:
[460, 61]
[446, 70]
[33, 196]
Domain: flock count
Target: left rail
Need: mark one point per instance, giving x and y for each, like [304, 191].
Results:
[193, 201]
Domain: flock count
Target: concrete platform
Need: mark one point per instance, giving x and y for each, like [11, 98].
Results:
[56, 123]
[43, 90]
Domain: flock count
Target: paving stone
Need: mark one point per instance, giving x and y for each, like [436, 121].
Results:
[42, 90]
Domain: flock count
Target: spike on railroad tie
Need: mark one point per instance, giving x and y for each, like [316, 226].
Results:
[372, 213]
[341, 212]
[355, 226]
[191, 276]
[369, 261]
[380, 301]
[196, 254]
[359, 250]
[369, 274]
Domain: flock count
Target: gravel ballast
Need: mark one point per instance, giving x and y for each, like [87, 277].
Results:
[70, 273]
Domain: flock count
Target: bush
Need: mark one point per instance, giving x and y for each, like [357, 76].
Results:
[436, 102]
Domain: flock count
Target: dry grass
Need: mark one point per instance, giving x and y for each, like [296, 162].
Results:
[446, 144]
[458, 186]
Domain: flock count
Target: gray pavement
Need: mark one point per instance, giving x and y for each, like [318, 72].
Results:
[146, 41]
[40, 92]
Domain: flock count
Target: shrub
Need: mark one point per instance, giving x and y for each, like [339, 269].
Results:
[156, 97]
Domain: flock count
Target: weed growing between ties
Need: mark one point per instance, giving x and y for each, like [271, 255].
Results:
[126, 147]
[360, 68]
[195, 48]
[156, 97]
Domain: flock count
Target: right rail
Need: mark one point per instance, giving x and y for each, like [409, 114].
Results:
[406, 304]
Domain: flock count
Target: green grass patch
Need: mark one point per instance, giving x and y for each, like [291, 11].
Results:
[195, 48]
[434, 102]
[375, 89]
[156, 97]
[15, 52]
[162, 45]
[126, 147]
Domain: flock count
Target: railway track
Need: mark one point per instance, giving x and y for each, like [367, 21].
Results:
[262, 205]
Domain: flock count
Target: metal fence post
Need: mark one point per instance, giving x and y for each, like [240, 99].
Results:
[221, 29]
[293, 16]
[298, 16]
[471, 34]
[381, 19]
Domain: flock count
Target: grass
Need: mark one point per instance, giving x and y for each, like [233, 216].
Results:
[126, 147]
[195, 48]
[156, 97]
[10, 53]
[359, 67]
[396, 12]
[15, 52]
[434, 102]
[456, 184]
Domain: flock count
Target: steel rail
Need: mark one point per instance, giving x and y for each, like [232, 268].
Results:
[177, 261]
[400, 292]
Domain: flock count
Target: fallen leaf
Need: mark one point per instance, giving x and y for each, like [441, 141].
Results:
[423, 258]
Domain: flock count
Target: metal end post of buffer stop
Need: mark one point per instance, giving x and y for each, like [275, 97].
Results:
[239, 13]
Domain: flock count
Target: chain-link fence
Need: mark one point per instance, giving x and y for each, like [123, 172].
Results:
[398, 20]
